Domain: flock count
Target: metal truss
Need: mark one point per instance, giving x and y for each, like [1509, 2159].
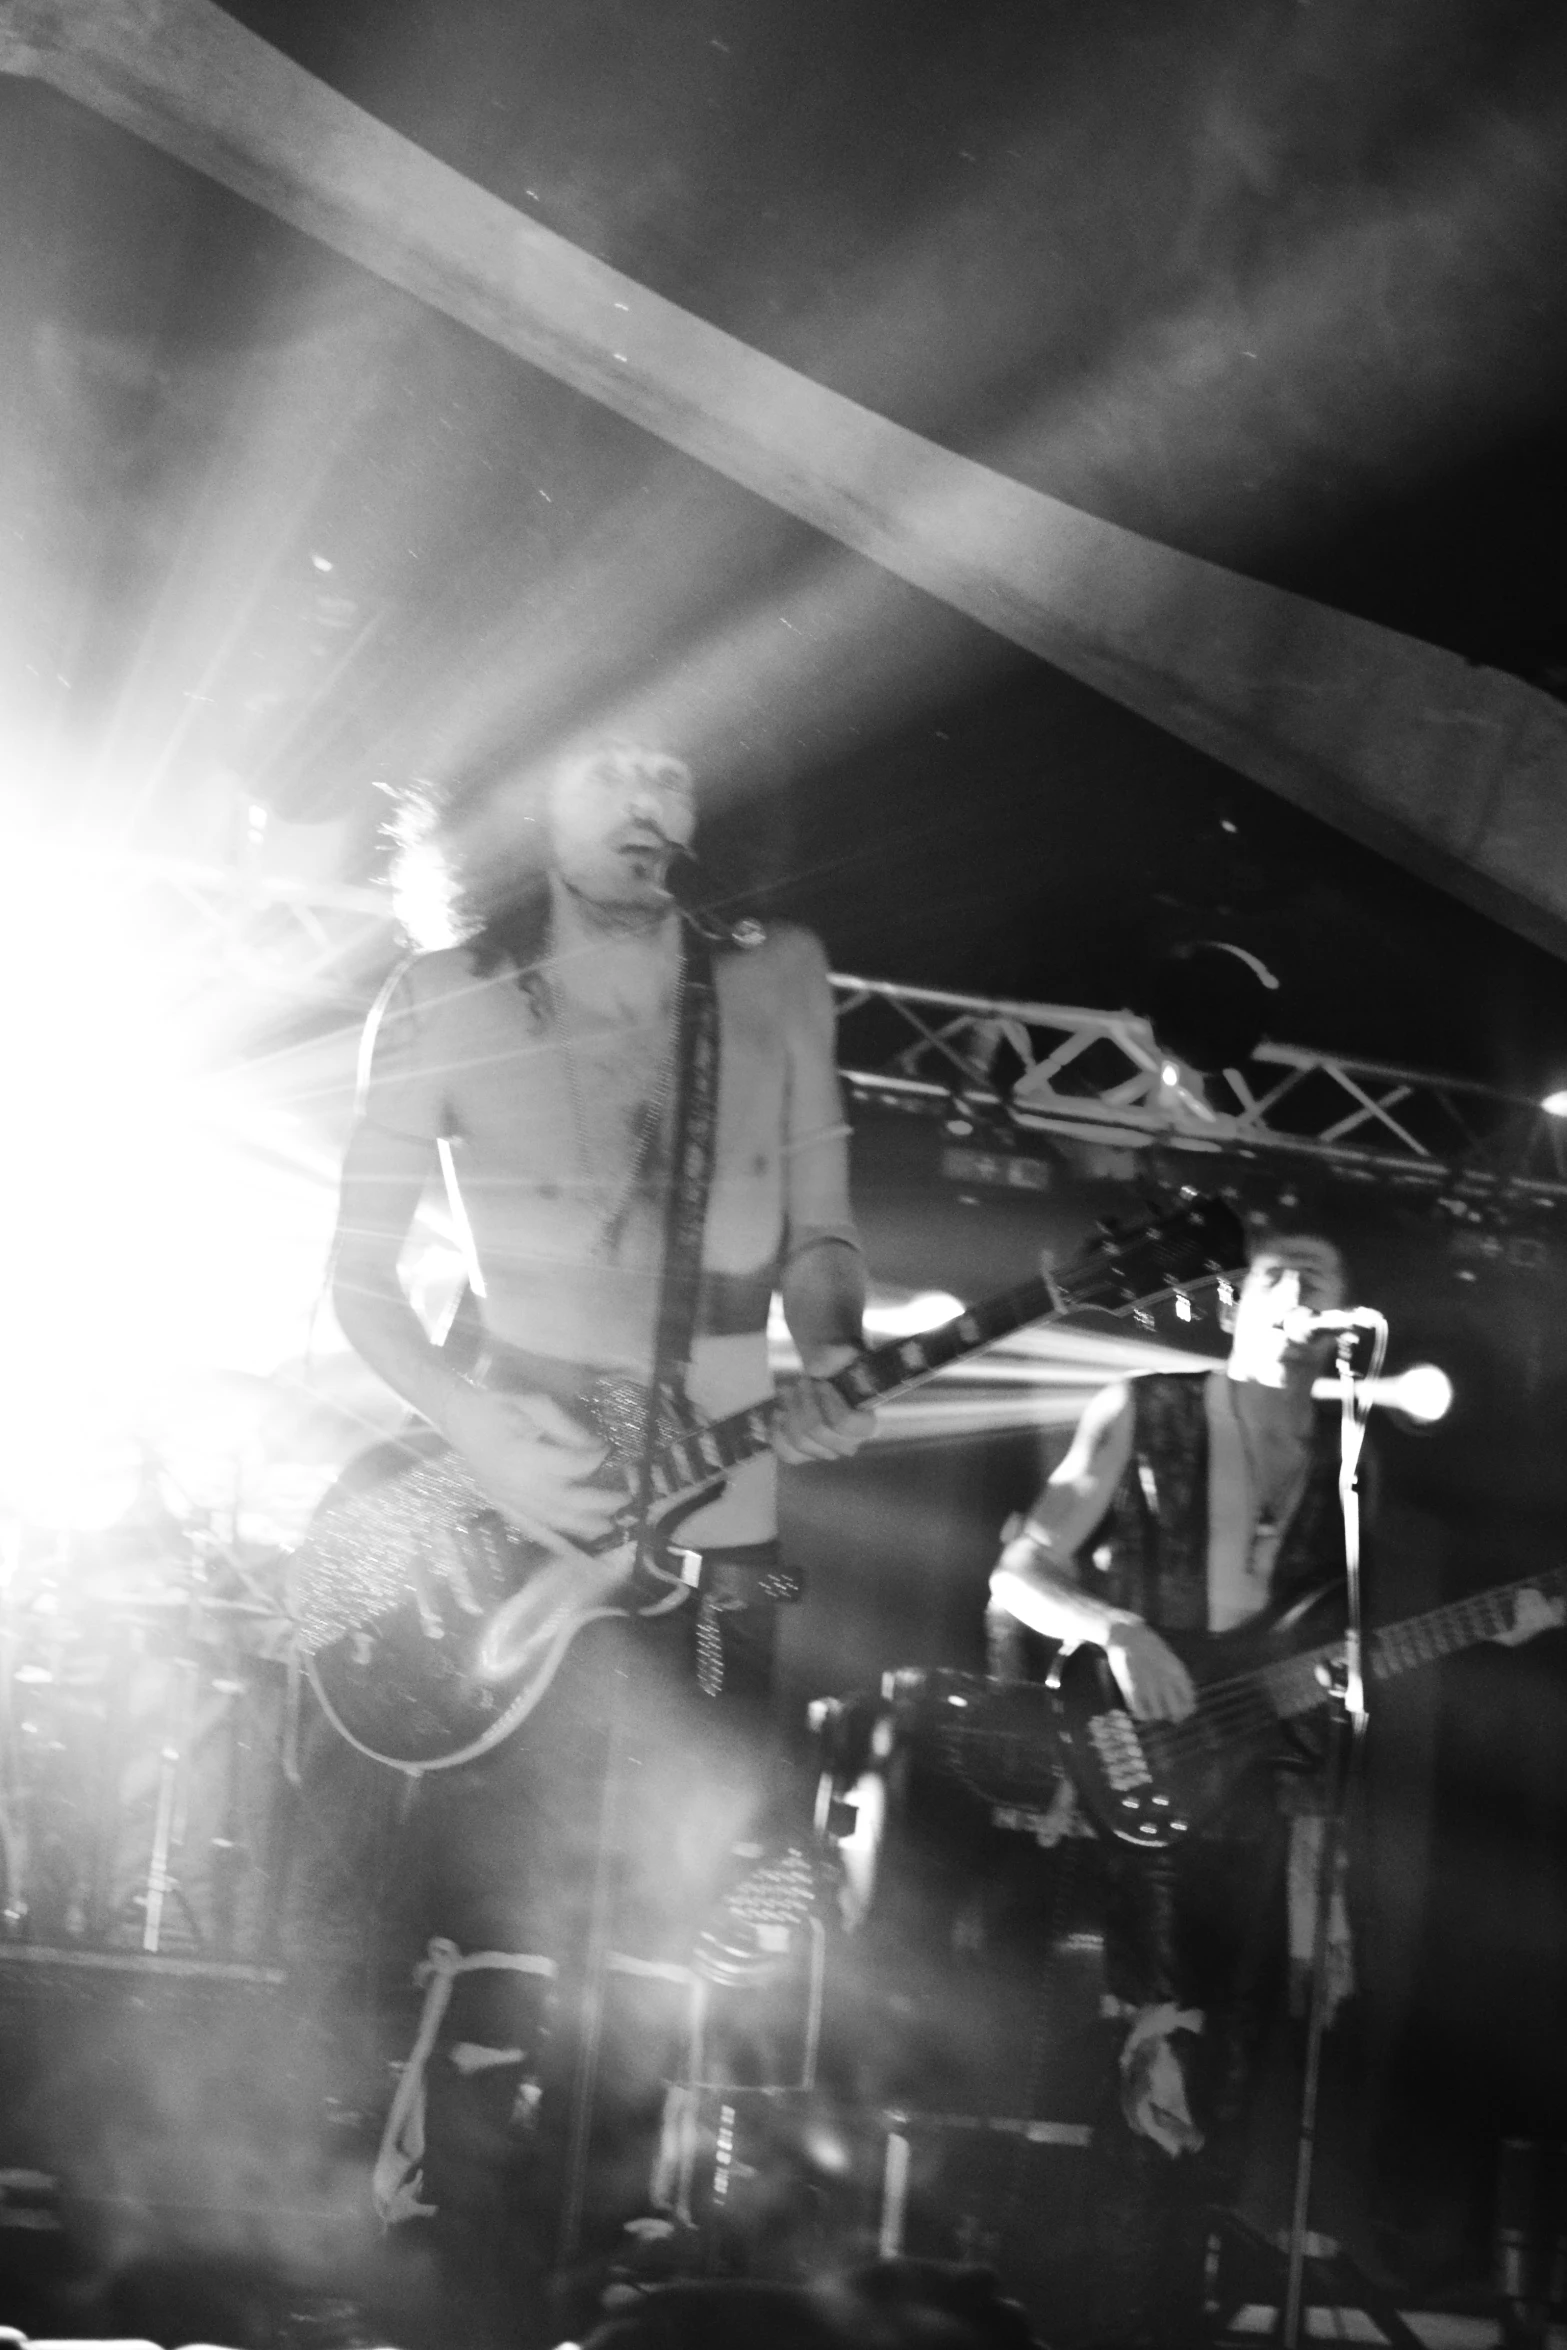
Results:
[302, 939]
[998, 1071]
[1010, 1070]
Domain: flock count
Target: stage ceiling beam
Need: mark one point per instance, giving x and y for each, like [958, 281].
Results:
[1456, 772]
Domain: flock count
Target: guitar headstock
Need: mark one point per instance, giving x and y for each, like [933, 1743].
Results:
[1198, 1241]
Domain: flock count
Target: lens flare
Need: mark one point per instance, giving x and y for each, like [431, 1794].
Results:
[157, 1219]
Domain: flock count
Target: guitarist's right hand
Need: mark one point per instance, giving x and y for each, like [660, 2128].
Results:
[533, 1461]
[1150, 1676]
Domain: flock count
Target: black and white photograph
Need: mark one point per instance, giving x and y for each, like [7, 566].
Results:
[783, 983]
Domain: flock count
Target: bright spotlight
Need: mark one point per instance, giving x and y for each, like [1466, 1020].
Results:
[906, 1318]
[1423, 1394]
[889, 1315]
[1556, 1103]
[66, 1466]
[151, 1224]
[828, 2151]
[1419, 1397]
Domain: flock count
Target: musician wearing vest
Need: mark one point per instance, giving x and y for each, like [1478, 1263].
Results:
[640, 1133]
[1186, 1503]
[1193, 1503]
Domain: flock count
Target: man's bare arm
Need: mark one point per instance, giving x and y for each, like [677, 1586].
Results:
[384, 1178]
[1036, 1578]
[529, 1457]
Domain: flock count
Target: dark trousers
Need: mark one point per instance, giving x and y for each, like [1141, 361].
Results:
[608, 1821]
[1198, 1928]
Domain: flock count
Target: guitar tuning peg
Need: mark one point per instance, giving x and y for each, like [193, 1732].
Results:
[1142, 1317]
[1183, 1306]
[1226, 1291]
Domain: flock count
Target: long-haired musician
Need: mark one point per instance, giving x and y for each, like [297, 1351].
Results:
[637, 1122]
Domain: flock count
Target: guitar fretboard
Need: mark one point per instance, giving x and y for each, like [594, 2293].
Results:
[1197, 1244]
[1295, 1685]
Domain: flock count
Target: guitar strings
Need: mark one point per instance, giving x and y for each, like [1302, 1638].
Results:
[1226, 1704]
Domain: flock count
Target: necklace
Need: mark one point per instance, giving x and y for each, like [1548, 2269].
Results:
[1272, 1499]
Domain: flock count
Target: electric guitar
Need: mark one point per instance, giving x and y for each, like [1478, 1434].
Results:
[1150, 1783]
[430, 1627]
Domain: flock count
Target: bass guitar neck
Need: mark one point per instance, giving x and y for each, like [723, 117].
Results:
[1149, 1784]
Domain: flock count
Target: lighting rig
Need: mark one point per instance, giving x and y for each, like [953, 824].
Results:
[1012, 1081]
[1014, 1085]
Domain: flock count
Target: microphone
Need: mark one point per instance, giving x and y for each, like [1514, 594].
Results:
[1301, 1323]
[692, 886]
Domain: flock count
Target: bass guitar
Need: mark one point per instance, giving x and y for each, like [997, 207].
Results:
[1150, 1783]
[430, 1627]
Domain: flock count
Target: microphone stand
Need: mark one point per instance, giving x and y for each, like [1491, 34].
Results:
[1346, 1733]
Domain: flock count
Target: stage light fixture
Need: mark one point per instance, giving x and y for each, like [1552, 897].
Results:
[1555, 1104]
[1208, 1004]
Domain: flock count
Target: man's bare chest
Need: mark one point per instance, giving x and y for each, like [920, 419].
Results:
[563, 1100]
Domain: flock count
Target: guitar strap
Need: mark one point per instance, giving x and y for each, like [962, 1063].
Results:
[691, 1151]
[685, 1216]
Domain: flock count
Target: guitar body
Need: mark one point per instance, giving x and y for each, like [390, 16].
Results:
[1149, 1784]
[428, 1626]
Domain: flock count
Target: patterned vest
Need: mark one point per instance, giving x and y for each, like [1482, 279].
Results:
[1150, 1552]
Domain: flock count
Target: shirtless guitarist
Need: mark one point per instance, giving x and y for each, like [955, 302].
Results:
[534, 1067]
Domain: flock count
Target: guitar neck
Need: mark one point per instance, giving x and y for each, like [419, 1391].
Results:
[1197, 1243]
[904, 1362]
[880, 1372]
[1294, 1687]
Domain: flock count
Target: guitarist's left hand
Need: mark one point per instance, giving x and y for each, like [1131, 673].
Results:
[1532, 1613]
[813, 1423]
